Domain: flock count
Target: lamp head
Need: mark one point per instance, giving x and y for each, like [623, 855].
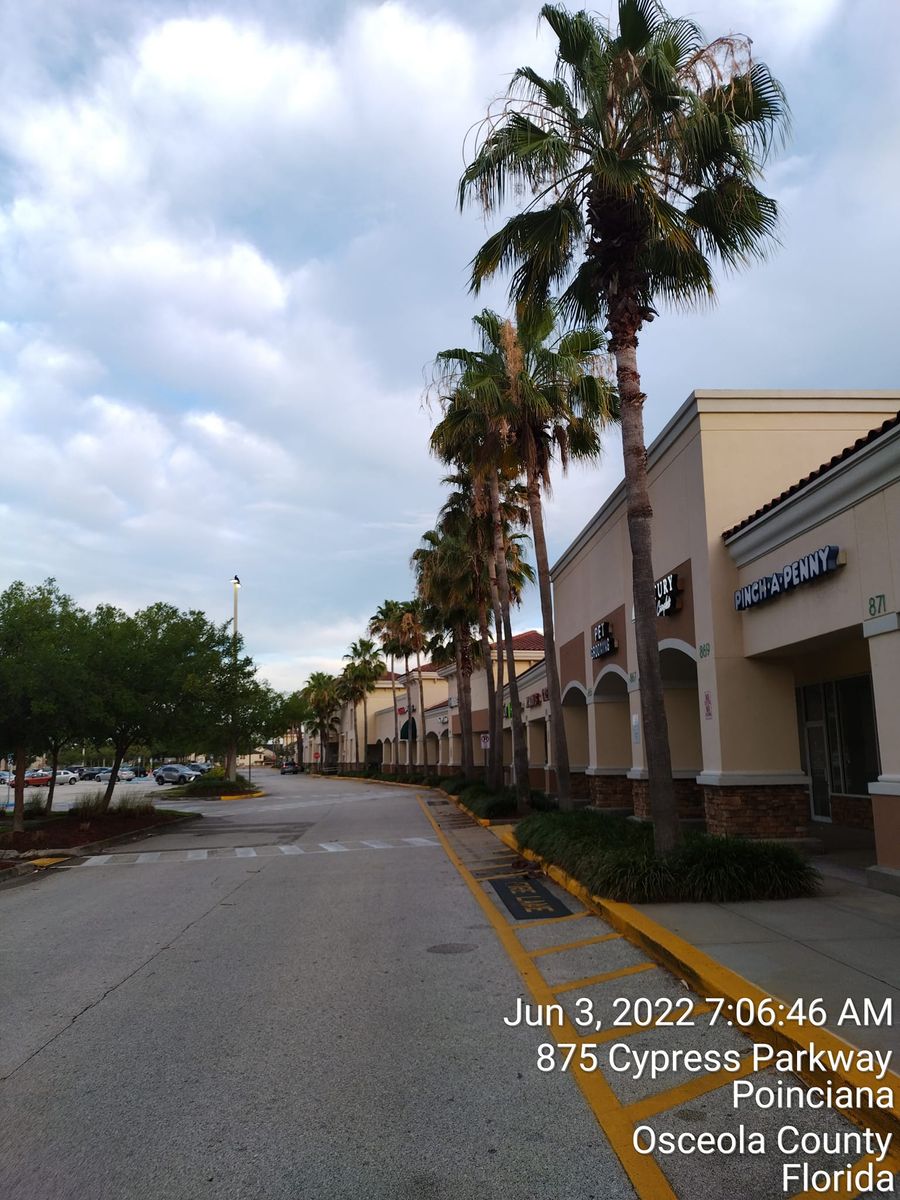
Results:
[236, 582]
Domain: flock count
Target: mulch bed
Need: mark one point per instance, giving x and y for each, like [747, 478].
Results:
[75, 831]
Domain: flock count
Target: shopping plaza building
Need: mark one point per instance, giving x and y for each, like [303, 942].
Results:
[776, 545]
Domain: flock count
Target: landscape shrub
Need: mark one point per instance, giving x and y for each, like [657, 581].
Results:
[614, 858]
[205, 786]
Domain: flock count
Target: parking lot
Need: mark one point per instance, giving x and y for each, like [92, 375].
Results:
[67, 794]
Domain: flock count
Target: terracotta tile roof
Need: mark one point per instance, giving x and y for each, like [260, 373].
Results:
[532, 640]
[435, 707]
[858, 445]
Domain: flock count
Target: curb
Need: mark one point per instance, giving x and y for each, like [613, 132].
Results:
[24, 870]
[203, 799]
[710, 978]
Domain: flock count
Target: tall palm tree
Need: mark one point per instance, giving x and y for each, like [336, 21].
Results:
[551, 400]
[471, 435]
[385, 625]
[351, 691]
[641, 155]
[446, 586]
[321, 695]
[367, 667]
[414, 635]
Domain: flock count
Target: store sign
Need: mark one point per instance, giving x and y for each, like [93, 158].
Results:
[668, 595]
[534, 700]
[803, 570]
[602, 640]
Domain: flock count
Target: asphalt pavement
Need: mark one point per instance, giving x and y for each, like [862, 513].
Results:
[298, 996]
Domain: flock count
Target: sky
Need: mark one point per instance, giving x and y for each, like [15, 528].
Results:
[230, 249]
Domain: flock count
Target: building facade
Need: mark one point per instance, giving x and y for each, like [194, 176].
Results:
[777, 620]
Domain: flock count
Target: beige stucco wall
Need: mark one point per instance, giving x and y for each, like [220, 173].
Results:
[723, 456]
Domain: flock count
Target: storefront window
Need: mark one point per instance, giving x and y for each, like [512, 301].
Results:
[839, 746]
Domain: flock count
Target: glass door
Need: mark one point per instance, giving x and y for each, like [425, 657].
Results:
[817, 766]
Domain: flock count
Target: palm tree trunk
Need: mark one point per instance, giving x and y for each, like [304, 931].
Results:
[520, 751]
[410, 741]
[18, 825]
[365, 757]
[356, 732]
[560, 745]
[395, 765]
[422, 711]
[487, 659]
[54, 763]
[663, 805]
[495, 753]
[464, 697]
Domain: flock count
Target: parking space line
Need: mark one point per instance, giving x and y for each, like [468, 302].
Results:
[150, 856]
[660, 1102]
[97, 860]
[244, 852]
[644, 1172]
[333, 847]
[196, 855]
[378, 845]
[576, 916]
[589, 980]
[593, 941]
[290, 849]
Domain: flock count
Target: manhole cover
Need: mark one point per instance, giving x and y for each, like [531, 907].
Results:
[452, 948]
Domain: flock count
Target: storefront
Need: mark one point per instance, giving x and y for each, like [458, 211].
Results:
[779, 640]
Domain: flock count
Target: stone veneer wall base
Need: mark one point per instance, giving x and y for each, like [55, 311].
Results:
[757, 811]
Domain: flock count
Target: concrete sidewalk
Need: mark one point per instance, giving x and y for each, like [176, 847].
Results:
[843, 944]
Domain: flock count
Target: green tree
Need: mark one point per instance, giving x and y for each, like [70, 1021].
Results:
[414, 636]
[385, 625]
[365, 667]
[33, 625]
[154, 678]
[641, 155]
[322, 698]
[547, 399]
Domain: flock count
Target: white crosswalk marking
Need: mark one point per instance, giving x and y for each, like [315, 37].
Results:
[224, 853]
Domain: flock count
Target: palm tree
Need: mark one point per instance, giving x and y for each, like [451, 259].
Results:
[477, 438]
[446, 587]
[367, 667]
[549, 399]
[641, 154]
[321, 695]
[414, 635]
[385, 625]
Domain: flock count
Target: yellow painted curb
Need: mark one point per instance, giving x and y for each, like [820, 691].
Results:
[710, 978]
[46, 862]
[418, 787]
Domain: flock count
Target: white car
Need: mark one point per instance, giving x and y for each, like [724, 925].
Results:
[64, 776]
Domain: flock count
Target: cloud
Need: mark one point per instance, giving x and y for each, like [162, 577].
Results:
[229, 248]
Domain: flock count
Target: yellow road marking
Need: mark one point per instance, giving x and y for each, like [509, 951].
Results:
[555, 920]
[648, 1180]
[698, 1086]
[47, 862]
[593, 941]
[590, 980]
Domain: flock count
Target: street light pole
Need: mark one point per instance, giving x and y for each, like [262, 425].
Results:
[231, 763]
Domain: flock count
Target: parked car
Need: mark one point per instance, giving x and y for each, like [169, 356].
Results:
[202, 767]
[176, 773]
[136, 772]
[38, 777]
[64, 775]
[90, 773]
[124, 775]
[290, 768]
[6, 778]
[78, 768]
